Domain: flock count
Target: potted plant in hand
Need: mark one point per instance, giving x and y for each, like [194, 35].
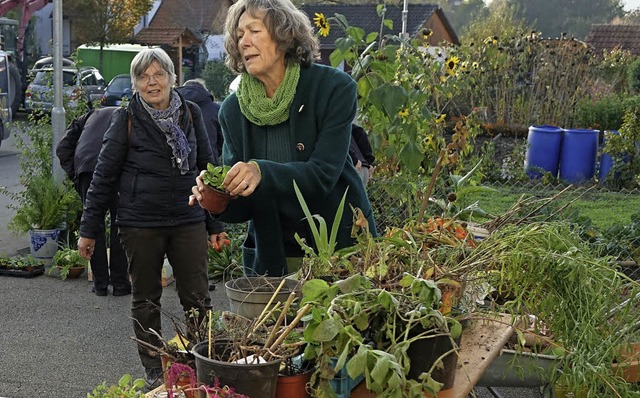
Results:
[214, 197]
[69, 263]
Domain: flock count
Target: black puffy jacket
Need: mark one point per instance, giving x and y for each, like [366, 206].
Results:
[136, 161]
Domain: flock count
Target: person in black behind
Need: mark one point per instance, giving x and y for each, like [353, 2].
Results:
[361, 153]
[195, 90]
[78, 153]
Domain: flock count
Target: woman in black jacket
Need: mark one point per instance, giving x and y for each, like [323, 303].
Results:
[152, 152]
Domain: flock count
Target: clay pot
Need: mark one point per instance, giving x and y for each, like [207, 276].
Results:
[293, 386]
[213, 200]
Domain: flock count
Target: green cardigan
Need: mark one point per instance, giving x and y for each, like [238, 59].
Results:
[320, 124]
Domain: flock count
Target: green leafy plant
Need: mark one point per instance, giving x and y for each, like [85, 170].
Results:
[318, 261]
[214, 176]
[44, 204]
[18, 262]
[369, 330]
[127, 387]
[225, 261]
[65, 259]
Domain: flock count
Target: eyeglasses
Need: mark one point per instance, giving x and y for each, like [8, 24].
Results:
[146, 79]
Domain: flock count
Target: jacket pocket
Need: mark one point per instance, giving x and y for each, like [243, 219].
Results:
[134, 186]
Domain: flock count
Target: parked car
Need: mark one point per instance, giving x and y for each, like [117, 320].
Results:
[79, 83]
[119, 91]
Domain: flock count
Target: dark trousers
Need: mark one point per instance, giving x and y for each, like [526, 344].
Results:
[114, 269]
[186, 249]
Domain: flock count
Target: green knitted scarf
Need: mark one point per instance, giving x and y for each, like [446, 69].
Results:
[264, 111]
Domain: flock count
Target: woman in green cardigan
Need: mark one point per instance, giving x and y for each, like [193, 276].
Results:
[289, 120]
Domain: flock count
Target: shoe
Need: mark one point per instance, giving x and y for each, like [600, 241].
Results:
[99, 291]
[122, 291]
[153, 378]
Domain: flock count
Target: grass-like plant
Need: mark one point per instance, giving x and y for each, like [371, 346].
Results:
[319, 259]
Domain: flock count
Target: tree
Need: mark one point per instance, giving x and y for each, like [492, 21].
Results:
[463, 14]
[106, 21]
[556, 18]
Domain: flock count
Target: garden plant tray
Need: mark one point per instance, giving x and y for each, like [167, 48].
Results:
[24, 273]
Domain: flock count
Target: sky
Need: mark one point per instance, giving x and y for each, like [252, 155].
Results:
[628, 4]
[631, 4]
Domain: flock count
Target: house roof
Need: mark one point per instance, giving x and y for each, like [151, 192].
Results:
[608, 37]
[202, 16]
[168, 36]
[365, 16]
[172, 18]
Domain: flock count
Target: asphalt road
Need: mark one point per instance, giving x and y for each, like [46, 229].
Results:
[59, 340]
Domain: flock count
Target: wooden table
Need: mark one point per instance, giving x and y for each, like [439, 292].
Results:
[481, 343]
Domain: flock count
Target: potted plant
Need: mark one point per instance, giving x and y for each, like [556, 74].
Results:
[21, 266]
[42, 209]
[69, 263]
[214, 197]
[127, 387]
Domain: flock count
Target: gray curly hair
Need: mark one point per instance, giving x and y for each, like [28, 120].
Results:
[289, 27]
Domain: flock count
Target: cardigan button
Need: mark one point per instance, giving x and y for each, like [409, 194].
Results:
[299, 147]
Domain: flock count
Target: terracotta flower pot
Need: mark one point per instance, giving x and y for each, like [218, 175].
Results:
[214, 201]
[75, 272]
[293, 386]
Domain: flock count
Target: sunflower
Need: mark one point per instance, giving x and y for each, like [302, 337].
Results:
[404, 112]
[451, 64]
[321, 22]
[440, 119]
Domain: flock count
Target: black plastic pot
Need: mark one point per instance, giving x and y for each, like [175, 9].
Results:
[424, 353]
[253, 380]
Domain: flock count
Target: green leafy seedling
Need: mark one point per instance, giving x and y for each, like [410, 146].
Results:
[214, 176]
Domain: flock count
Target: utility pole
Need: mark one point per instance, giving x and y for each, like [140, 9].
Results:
[58, 112]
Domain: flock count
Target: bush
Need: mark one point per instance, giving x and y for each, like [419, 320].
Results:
[217, 77]
[604, 114]
[633, 77]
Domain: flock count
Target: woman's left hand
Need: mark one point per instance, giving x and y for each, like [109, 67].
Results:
[242, 179]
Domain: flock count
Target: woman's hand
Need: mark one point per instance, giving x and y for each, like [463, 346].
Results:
[219, 241]
[197, 190]
[242, 179]
[86, 247]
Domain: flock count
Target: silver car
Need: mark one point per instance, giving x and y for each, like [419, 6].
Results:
[80, 85]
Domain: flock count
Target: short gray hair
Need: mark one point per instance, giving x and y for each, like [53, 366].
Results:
[196, 82]
[145, 58]
[289, 27]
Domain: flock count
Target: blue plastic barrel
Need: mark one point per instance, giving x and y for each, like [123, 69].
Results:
[543, 151]
[606, 161]
[578, 155]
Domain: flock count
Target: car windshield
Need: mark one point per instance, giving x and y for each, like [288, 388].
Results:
[120, 84]
[45, 78]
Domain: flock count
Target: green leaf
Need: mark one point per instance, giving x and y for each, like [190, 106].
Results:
[380, 370]
[327, 330]
[411, 156]
[313, 289]
[455, 329]
[407, 280]
[389, 98]
[358, 363]
[361, 320]
[387, 300]
[371, 37]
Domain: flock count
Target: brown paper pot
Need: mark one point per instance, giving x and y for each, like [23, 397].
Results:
[214, 201]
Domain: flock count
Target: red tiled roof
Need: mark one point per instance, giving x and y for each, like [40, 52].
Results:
[608, 37]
